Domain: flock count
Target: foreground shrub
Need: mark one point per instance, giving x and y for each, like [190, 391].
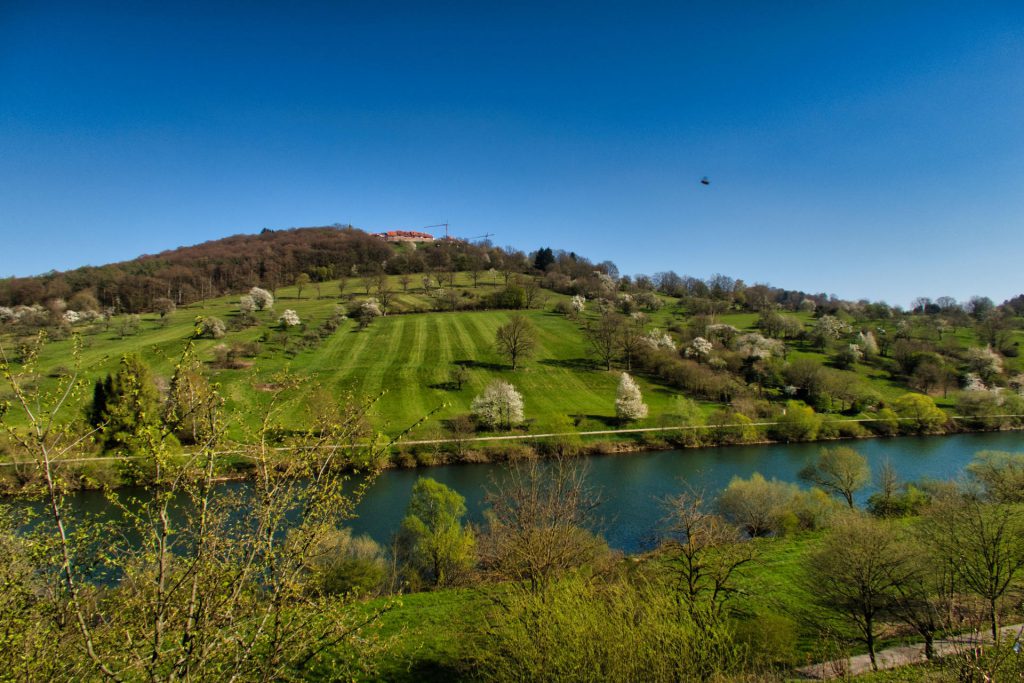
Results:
[619, 630]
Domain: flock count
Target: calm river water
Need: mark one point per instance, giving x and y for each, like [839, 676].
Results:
[631, 484]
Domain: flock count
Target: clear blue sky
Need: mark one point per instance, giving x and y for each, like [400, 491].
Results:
[866, 149]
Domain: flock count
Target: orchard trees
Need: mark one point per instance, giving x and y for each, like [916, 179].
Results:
[516, 339]
[289, 319]
[263, 300]
[500, 406]
[629, 403]
[302, 281]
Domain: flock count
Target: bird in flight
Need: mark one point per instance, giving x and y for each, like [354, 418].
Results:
[705, 181]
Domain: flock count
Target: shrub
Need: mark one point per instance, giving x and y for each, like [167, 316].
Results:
[619, 630]
[798, 423]
[345, 565]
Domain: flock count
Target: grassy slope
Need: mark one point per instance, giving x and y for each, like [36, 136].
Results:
[410, 357]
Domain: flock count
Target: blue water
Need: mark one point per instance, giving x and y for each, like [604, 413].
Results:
[632, 484]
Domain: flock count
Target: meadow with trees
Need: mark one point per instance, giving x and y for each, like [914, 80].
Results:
[435, 329]
[306, 362]
[763, 580]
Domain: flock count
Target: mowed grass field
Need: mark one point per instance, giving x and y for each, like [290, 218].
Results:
[405, 358]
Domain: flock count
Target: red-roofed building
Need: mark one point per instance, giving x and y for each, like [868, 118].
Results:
[405, 236]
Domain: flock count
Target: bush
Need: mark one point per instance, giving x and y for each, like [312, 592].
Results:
[798, 423]
[620, 630]
[347, 565]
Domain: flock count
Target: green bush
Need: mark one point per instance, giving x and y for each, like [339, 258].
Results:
[590, 630]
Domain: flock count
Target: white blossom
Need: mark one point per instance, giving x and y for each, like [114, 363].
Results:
[985, 362]
[699, 348]
[263, 299]
[866, 341]
[973, 382]
[579, 303]
[759, 347]
[71, 317]
[499, 406]
[247, 304]
[657, 339]
[289, 318]
[6, 314]
[370, 308]
[629, 403]
[830, 327]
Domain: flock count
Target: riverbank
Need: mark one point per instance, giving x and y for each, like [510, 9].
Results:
[96, 472]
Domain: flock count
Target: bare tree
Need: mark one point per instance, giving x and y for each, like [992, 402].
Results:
[855, 573]
[706, 555]
[540, 522]
[516, 339]
[983, 543]
[384, 293]
[604, 337]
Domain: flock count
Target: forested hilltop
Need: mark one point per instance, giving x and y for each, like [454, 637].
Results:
[495, 341]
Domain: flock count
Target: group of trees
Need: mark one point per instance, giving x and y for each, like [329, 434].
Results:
[957, 563]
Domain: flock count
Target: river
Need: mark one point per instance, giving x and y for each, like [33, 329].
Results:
[632, 484]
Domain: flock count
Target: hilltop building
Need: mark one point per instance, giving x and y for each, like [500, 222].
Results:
[404, 236]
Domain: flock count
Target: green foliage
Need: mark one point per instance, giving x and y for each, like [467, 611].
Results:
[841, 471]
[920, 414]
[798, 422]
[619, 630]
[344, 564]
[757, 505]
[1000, 475]
[125, 404]
[433, 547]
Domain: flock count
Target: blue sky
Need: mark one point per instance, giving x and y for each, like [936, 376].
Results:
[866, 149]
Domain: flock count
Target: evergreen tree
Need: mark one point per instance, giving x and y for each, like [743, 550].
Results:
[125, 404]
[544, 258]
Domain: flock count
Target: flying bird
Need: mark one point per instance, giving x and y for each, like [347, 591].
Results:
[705, 181]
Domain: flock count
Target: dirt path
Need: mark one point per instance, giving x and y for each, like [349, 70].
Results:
[901, 656]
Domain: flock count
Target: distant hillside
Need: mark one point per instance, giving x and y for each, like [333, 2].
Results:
[270, 258]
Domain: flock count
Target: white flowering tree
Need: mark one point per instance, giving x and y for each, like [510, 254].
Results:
[578, 303]
[867, 343]
[984, 362]
[756, 346]
[656, 339]
[700, 348]
[208, 326]
[289, 318]
[629, 403]
[973, 382]
[499, 406]
[247, 304]
[828, 328]
[262, 299]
